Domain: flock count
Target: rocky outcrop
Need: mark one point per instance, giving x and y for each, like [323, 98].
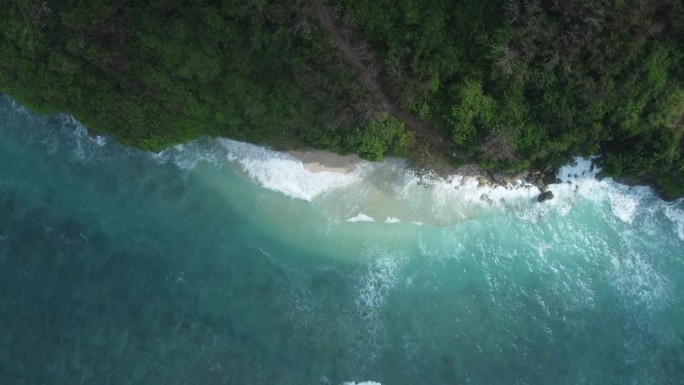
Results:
[549, 176]
[542, 179]
[545, 196]
[524, 179]
[545, 177]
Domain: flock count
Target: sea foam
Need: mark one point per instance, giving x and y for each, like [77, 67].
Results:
[373, 288]
[379, 190]
[675, 213]
[63, 134]
[361, 217]
[642, 287]
[187, 156]
[390, 190]
[361, 383]
[286, 174]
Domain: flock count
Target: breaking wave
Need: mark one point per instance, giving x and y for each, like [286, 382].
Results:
[389, 192]
[286, 174]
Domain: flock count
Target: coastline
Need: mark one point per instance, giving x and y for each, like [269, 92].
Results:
[316, 161]
[667, 186]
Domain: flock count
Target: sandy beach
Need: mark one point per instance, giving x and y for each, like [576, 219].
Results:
[320, 161]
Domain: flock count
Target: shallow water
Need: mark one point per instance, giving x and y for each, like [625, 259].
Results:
[219, 262]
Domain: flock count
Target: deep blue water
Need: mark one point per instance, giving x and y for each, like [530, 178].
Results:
[219, 262]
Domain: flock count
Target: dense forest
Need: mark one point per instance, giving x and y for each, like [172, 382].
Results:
[510, 85]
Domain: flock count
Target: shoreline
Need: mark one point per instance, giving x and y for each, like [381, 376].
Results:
[316, 161]
[668, 186]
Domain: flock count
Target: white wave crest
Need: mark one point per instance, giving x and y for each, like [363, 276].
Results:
[361, 217]
[579, 180]
[286, 174]
[676, 215]
[380, 190]
[389, 190]
[187, 156]
[361, 383]
[625, 201]
[580, 169]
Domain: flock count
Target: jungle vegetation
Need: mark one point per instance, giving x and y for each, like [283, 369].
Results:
[509, 84]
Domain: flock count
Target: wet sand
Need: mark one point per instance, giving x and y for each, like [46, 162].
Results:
[322, 161]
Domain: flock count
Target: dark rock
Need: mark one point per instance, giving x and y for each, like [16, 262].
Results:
[550, 177]
[505, 182]
[522, 175]
[483, 181]
[486, 198]
[545, 196]
[92, 134]
[532, 176]
[497, 176]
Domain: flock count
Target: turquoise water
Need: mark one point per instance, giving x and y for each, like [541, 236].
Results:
[219, 262]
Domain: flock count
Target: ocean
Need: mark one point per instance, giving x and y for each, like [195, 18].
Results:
[220, 262]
